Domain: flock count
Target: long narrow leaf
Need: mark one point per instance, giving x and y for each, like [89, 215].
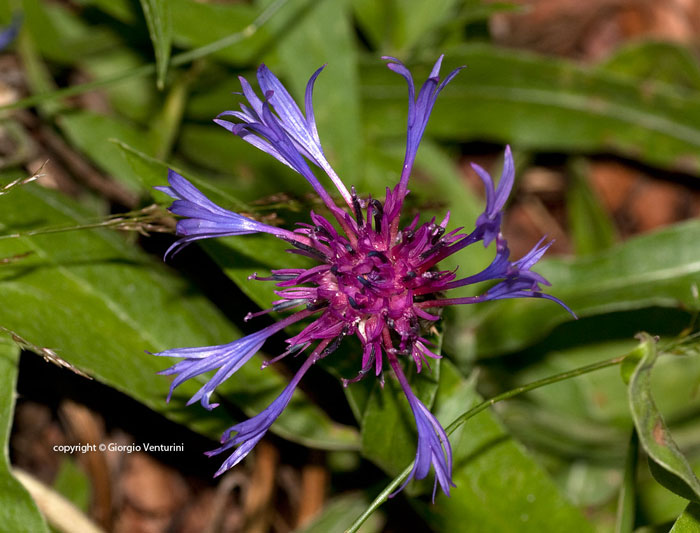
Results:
[160, 28]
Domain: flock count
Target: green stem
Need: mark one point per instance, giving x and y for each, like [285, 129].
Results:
[384, 495]
[150, 69]
[531, 386]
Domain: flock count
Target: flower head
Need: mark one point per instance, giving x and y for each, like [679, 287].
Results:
[373, 280]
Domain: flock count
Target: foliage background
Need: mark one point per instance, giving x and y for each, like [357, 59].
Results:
[600, 104]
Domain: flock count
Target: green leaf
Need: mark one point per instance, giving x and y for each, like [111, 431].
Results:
[325, 35]
[397, 26]
[248, 173]
[338, 513]
[667, 463]
[658, 269]
[122, 10]
[689, 521]
[218, 21]
[658, 61]
[151, 172]
[500, 488]
[158, 18]
[60, 35]
[592, 229]
[626, 500]
[135, 98]
[18, 511]
[89, 133]
[100, 303]
[629, 364]
[213, 21]
[544, 104]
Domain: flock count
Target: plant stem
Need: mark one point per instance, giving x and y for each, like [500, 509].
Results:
[456, 423]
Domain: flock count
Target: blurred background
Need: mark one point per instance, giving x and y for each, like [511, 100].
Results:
[600, 102]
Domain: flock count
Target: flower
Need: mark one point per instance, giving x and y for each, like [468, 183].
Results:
[374, 280]
[9, 32]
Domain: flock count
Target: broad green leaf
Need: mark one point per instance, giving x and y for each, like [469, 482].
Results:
[658, 269]
[586, 484]
[689, 521]
[18, 511]
[135, 98]
[62, 36]
[500, 488]
[325, 35]
[588, 418]
[338, 513]
[151, 172]
[122, 10]
[660, 61]
[592, 229]
[158, 18]
[217, 21]
[544, 429]
[544, 104]
[666, 461]
[89, 133]
[595, 399]
[213, 21]
[245, 170]
[396, 26]
[100, 303]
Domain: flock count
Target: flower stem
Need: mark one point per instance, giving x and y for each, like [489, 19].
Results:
[457, 422]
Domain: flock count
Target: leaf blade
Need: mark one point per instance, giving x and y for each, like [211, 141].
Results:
[160, 29]
[18, 511]
[666, 461]
[86, 289]
[546, 104]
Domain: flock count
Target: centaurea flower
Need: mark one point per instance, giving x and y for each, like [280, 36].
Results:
[373, 280]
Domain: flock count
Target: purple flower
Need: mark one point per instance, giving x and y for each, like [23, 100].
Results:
[9, 32]
[227, 358]
[203, 218]
[373, 280]
[490, 219]
[433, 445]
